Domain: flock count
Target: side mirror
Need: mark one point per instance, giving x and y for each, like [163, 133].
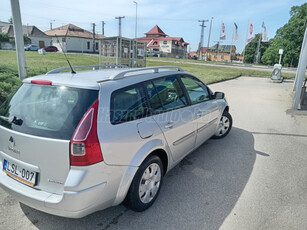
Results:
[219, 95]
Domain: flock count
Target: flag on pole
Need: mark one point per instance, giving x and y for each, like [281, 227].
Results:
[264, 33]
[222, 34]
[236, 36]
[250, 33]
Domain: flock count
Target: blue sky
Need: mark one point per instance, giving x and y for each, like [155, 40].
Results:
[177, 18]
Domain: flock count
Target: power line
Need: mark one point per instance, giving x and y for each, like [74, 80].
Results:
[169, 19]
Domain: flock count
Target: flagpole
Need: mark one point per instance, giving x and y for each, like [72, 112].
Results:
[218, 44]
[258, 47]
[233, 28]
[245, 42]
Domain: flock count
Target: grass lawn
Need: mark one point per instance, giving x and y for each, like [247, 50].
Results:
[210, 74]
[40, 64]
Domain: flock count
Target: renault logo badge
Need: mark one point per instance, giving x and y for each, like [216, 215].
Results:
[13, 145]
[12, 141]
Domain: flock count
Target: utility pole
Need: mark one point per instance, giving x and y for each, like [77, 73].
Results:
[20, 52]
[136, 18]
[94, 45]
[51, 21]
[120, 25]
[201, 37]
[102, 24]
[119, 41]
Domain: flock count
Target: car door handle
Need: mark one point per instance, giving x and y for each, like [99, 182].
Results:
[199, 113]
[169, 125]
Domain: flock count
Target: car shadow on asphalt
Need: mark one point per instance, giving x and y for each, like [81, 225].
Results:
[199, 193]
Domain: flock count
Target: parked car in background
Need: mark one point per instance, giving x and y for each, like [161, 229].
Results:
[51, 49]
[31, 47]
[71, 146]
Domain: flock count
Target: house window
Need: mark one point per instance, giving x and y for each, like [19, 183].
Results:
[165, 42]
[96, 46]
[88, 45]
[222, 56]
[155, 43]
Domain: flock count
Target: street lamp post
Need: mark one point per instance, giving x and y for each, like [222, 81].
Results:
[134, 55]
[281, 51]
[209, 32]
[136, 19]
[20, 52]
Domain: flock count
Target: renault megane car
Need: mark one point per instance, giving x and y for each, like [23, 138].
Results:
[75, 143]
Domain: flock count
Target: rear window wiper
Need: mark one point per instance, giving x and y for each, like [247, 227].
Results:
[12, 120]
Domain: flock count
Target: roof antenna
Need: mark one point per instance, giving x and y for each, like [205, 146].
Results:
[72, 70]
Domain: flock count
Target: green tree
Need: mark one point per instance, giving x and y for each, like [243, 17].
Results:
[26, 39]
[4, 37]
[289, 38]
[251, 47]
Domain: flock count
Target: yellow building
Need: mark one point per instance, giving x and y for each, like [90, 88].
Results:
[221, 53]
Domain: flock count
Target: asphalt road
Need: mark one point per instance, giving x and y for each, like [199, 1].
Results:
[255, 178]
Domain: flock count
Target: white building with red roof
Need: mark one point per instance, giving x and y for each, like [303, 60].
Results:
[160, 43]
[74, 39]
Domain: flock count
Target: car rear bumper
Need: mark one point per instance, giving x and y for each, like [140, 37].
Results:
[79, 198]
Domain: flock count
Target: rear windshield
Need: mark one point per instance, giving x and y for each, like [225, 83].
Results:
[46, 111]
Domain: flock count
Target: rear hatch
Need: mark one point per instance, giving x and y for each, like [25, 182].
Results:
[36, 126]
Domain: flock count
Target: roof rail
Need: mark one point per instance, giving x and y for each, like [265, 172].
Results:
[95, 67]
[153, 69]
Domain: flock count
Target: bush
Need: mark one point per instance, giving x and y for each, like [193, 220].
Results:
[4, 37]
[9, 82]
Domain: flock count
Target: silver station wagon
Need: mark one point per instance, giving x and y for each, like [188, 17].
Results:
[75, 143]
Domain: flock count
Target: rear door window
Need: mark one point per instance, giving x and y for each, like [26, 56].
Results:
[46, 111]
[128, 104]
[154, 100]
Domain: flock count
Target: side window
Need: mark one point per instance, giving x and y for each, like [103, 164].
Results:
[128, 104]
[170, 93]
[197, 91]
[154, 100]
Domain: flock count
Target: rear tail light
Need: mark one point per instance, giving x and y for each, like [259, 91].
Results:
[41, 82]
[84, 145]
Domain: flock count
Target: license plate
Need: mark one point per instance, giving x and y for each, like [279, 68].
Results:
[19, 173]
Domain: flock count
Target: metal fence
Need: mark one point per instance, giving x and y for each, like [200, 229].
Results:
[122, 51]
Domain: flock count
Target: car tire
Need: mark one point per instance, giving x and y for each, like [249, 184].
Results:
[146, 185]
[224, 126]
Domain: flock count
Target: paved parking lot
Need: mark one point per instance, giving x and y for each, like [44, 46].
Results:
[255, 178]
